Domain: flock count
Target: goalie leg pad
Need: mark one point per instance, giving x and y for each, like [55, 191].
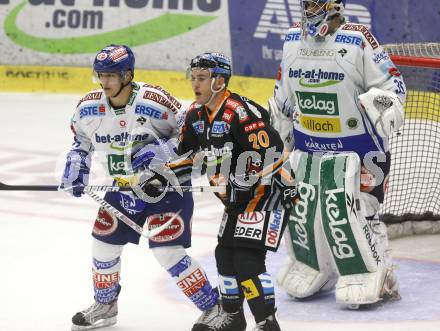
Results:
[309, 266]
[106, 271]
[358, 244]
[185, 270]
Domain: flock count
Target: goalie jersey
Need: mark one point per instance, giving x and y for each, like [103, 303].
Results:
[318, 85]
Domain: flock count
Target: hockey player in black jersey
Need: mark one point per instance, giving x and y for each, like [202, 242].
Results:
[232, 136]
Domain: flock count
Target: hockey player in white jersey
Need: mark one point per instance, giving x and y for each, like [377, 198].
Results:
[337, 99]
[111, 123]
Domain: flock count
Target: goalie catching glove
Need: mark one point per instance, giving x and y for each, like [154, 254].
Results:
[384, 109]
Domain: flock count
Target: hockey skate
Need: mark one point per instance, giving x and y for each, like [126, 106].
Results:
[229, 322]
[96, 316]
[206, 320]
[269, 324]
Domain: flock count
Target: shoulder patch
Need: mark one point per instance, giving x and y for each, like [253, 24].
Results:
[364, 30]
[158, 98]
[232, 104]
[95, 95]
[173, 100]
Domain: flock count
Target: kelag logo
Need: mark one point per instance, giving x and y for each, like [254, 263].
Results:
[71, 15]
[318, 103]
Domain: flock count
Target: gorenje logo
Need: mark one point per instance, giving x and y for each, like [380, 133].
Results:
[316, 78]
[78, 15]
[318, 103]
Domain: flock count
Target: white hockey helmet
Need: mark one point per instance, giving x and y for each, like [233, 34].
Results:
[316, 15]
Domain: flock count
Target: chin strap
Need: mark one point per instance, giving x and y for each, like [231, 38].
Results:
[122, 87]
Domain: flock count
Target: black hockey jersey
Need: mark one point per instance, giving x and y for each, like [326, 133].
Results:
[236, 142]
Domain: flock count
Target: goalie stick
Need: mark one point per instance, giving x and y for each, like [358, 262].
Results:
[109, 188]
[136, 227]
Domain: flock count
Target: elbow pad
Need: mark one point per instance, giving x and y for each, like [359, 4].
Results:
[384, 109]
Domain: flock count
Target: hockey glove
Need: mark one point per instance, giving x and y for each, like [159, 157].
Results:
[153, 183]
[156, 153]
[384, 109]
[76, 172]
[238, 190]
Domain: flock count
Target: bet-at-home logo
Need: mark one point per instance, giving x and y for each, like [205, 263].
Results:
[167, 19]
[279, 15]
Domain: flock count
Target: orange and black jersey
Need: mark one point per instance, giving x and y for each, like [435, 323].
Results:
[221, 139]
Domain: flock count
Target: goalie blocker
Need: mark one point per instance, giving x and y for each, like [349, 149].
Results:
[334, 235]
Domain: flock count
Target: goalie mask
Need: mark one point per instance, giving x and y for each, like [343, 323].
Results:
[316, 15]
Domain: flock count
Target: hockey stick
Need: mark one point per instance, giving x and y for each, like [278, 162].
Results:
[109, 188]
[136, 227]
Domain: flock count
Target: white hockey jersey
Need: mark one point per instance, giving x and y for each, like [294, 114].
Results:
[319, 83]
[151, 113]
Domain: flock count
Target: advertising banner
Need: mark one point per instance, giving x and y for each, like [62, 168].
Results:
[258, 27]
[164, 34]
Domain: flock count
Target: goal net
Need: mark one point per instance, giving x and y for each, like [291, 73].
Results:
[412, 201]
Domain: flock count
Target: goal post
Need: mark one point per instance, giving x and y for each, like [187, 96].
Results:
[412, 200]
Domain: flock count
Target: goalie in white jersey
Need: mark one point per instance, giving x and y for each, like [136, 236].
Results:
[338, 98]
[114, 122]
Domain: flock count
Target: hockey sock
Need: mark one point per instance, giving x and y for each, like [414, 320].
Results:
[106, 271]
[232, 296]
[194, 283]
[260, 295]
[255, 282]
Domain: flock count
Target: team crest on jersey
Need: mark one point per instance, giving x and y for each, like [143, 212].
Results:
[380, 57]
[131, 205]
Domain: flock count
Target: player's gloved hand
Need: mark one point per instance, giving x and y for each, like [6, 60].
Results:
[153, 184]
[156, 153]
[239, 189]
[76, 172]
